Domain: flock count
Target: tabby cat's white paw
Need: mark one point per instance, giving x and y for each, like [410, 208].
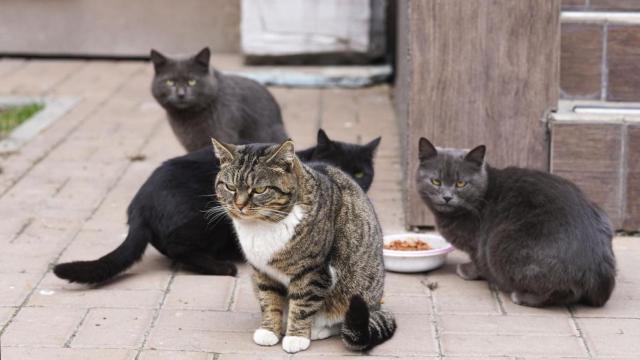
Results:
[265, 337]
[319, 333]
[293, 344]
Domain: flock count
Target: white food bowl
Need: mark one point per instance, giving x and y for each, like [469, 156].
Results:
[416, 260]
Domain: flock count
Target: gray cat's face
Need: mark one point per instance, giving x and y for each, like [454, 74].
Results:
[451, 179]
[183, 83]
[257, 181]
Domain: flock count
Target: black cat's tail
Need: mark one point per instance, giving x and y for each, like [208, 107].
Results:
[363, 329]
[110, 265]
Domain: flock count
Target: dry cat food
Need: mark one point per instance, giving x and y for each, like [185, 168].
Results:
[408, 245]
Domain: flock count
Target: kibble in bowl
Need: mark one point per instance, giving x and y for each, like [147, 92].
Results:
[415, 252]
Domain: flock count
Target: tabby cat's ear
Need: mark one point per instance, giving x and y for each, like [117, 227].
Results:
[476, 155]
[224, 152]
[157, 59]
[284, 153]
[426, 150]
[203, 57]
[373, 145]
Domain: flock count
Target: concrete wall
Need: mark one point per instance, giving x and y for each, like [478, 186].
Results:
[118, 27]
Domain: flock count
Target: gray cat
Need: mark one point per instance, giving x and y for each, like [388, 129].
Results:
[314, 242]
[530, 233]
[201, 102]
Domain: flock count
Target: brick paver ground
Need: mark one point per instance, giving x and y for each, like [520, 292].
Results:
[63, 197]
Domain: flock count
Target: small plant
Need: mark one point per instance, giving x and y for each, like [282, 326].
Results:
[12, 117]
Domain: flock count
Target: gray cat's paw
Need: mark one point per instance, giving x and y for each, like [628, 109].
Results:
[467, 271]
[293, 344]
[264, 337]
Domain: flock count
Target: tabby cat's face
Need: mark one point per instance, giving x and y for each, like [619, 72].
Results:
[183, 83]
[257, 181]
[451, 179]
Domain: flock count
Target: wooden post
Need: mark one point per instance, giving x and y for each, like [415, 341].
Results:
[476, 72]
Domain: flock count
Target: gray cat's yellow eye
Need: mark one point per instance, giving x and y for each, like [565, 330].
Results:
[359, 175]
[461, 183]
[259, 189]
[170, 82]
[230, 187]
[191, 82]
[436, 182]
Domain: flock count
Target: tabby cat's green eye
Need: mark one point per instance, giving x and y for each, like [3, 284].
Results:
[230, 187]
[170, 82]
[436, 182]
[191, 82]
[461, 183]
[359, 175]
[259, 189]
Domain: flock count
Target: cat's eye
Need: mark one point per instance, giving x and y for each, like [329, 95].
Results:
[359, 175]
[436, 182]
[191, 82]
[170, 82]
[461, 183]
[259, 189]
[230, 187]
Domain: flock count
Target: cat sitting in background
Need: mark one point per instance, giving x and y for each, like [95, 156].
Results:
[532, 234]
[201, 102]
[314, 241]
[169, 212]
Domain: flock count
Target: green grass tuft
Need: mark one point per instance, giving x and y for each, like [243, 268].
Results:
[12, 117]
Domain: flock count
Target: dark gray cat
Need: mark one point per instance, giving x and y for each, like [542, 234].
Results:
[530, 233]
[202, 103]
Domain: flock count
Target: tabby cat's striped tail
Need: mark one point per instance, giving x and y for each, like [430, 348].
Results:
[363, 329]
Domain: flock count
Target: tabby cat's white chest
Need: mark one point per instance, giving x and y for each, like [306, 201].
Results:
[261, 240]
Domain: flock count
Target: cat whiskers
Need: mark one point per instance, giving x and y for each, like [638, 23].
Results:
[215, 214]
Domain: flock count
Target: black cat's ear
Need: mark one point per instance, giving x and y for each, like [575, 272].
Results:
[224, 152]
[157, 59]
[284, 152]
[426, 150]
[373, 145]
[476, 155]
[323, 139]
[203, 57]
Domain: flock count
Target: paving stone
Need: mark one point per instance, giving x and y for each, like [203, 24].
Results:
[94, 297]
[513, 345]
[175, 355]
[14, 288]
[457, 296]
[506, 325]
[259, 356]
[113, 328]
[611, 337]
[213, 292]
[5, 315]
[404, 284]
[244, 298]
[414, 336]
[42, 327]
[39, 77]
[14, 353]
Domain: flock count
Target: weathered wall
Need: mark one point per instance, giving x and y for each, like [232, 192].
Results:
[118, 27]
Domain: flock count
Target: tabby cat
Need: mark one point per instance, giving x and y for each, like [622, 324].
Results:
[169, 211]
[201, 102]
[314, 242]
[531, 234]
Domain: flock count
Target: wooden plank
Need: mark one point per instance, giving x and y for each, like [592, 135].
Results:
[481, 72]
[632, 179]
[591, 156]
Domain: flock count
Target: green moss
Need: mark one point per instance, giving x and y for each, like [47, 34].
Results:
[12, 117]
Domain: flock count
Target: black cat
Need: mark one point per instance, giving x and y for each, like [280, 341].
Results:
[532, 234]
[169, 211]
[201, 102]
